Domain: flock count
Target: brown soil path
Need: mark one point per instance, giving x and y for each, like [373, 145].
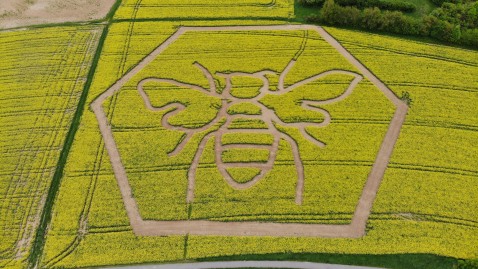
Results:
[17, 13]
[203, 227]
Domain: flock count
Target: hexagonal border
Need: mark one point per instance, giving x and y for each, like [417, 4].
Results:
[204, 227]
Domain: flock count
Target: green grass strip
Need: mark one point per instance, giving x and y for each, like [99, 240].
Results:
[46, 215]
[111, 13]
[392, 261]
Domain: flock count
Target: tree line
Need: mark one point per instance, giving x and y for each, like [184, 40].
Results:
[455, 22]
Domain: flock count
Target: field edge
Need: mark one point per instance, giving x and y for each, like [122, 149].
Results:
[46, 214]
[391, 261]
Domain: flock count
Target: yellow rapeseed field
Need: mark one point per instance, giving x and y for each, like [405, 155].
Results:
[149, 9]
[420, 206]
[42, 76]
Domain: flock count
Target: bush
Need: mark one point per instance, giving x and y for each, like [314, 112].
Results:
[442, 30]
[386, 5]
[353, 17]
[439, 2]
[428, 23]
[310, 3]
[401, 6]
[467, 264]
[330, 12]
[469, 37]
[465, 15]
[371, 18]
[338, 15]
[395, 22]
[406, 98]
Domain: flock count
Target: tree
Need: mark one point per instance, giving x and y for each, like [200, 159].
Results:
[469, 37]
[372, 18]
[456, 34]
[442, 30]
[328, 11]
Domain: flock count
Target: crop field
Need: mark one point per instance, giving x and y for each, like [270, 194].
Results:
[43, 73]
[191, 130]
[142, 124]
[159, 118]
[436, 176]
[147, 9]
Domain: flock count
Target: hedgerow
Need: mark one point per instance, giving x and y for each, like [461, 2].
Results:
[443, 24]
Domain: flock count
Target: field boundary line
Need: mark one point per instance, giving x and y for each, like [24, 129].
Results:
[46, 215]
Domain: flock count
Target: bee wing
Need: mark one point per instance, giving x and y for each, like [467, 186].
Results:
[313, 105]
[177, 106]
[290, 65]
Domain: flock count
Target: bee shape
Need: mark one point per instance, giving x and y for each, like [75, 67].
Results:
[267, 116]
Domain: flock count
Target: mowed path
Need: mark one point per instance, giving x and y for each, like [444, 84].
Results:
[203, 227]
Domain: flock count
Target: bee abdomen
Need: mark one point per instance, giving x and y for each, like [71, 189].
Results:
[245, 156]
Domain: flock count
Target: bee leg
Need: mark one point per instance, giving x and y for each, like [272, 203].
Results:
[284, 74]
[193, 168]
[299, 190]
[312, 139]
[181, 144]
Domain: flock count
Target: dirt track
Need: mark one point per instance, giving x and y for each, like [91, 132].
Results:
[16, 13]
[200, 227]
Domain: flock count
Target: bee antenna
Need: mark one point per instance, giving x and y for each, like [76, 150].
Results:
[208, 75]
[284, 74]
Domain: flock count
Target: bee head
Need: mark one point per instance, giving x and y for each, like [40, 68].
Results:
[272, 80]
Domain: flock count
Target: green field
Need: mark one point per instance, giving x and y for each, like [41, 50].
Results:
[425, 214]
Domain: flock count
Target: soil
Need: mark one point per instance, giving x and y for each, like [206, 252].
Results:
[18, 13]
